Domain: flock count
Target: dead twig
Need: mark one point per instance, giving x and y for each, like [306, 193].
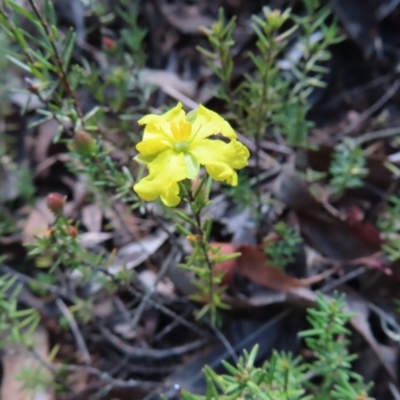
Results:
[154, 354]
[157, 305]
[369, 111]
[164, 268]
[378, 135]
[229, 348]
[80, 341]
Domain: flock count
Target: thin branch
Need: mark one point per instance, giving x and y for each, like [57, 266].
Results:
[80, 341]
[158, 306]
[378, 135]
[369, 111]
[154, 354]
[163, 270]
[62, 73]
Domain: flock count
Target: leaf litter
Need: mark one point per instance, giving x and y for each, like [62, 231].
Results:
[340, 234]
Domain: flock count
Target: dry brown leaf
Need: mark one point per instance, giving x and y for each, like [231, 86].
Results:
[124, 223]
[9, 182]
[78, 187]
[252, 264]
[171, 83]
[186, 18]
[46, 133]
[38, 222]
[92, 217]
[92, 239]
[78, 380]
[334, 238]
[133, 254]
[13, 364]
[149, 281]
[359, 307]
[292, 190]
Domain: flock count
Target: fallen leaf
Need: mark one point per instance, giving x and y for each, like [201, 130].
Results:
[92, 217]
[38, 222]
[78, 187]
[125, 224]
[252, 264]
[78, 380]
[333, 238]
[292, 190]
[186, 18]
[364, 231]
[46, 133]
[11, 385]
[242, 226]
[360, 322]
[92, 239]
[165, 79]
[133, 254]
[368, 234]
[149, 280]
[9, 182]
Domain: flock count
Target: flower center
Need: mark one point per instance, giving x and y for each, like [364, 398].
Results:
[181, 146]
[181, 130]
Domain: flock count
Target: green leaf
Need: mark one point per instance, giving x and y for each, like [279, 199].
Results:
[184, 217]
[69, 46]
[21, 10]
[193, 166]
[19, 63]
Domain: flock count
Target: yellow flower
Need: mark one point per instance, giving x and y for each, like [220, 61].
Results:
[174, 146]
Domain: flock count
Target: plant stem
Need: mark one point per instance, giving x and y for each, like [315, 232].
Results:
[62, 74]
[204, 248]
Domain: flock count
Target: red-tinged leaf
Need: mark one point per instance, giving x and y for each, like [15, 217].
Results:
[252, 264]
[368, 234]
[226, 266]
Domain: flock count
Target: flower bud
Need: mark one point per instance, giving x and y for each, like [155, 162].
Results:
[108, 43]
[275, 18]
[72, 231]
[55, 203]
[83, 143]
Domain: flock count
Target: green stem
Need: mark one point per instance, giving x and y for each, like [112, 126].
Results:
[62, 74]
[204, 248]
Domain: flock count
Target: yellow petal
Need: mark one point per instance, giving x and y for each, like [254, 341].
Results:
[170, 115]
[141, 159]
[221, 159]
[207, 123]
[160, 130]
[165, 172]
[161, 126]
[170, 197]
[152, 146]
